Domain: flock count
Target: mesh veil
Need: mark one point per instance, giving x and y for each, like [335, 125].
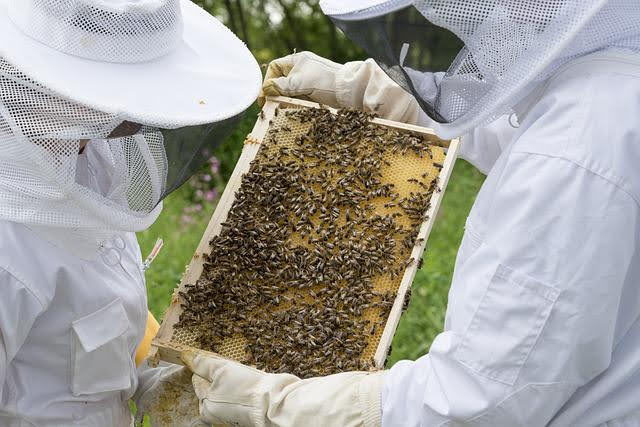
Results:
[48, 177]
[506, 46]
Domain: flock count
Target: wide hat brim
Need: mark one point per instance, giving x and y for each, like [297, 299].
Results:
[209, 77]
[362, 9]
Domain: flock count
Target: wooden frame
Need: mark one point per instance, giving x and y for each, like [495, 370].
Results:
[164, 349]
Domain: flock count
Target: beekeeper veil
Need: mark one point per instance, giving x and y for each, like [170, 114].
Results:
[107, 106]
[506, 47]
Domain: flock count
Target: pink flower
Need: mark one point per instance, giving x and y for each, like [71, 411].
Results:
[199, 194]
[211, 195]
[206, 178]
[197, 207]
[215, 165]
[186, 219]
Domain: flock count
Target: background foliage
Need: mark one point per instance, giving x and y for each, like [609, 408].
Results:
[274, 28]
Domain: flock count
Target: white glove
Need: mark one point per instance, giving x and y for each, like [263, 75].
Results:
[166, 396]
[360, 85]
[234, 394]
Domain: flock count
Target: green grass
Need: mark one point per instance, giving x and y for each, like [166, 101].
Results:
[425, 316]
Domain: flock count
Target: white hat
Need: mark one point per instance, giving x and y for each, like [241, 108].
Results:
[372, 7]
[165, 63]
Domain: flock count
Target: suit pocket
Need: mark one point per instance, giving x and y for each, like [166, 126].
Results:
[101, 360]
[506, 325]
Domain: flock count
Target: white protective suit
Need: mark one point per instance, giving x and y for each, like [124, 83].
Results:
[69, 328]
[543, 322]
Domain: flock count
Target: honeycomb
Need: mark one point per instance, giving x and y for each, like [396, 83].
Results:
[400, 168]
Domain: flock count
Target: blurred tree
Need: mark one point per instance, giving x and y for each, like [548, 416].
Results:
[274, 28]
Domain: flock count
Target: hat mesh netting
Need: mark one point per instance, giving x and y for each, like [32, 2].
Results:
[507, 47]
[49, 178]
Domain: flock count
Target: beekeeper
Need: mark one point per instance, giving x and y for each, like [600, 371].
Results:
[543, 323]
[106, 107]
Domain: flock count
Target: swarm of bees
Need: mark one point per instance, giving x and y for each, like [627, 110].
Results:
[314, 228]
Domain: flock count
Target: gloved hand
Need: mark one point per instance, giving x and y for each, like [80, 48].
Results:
[166, 395]
[302, 75]
[360, 85]
[234, 394]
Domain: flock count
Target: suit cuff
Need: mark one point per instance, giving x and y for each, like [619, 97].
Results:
[370, 399]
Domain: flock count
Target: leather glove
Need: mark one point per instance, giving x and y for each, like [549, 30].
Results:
[362, 85]
[234, 394]
[166, 395]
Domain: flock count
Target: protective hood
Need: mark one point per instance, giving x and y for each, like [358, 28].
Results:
[67, 166]
[107, 106]
[506, 47]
